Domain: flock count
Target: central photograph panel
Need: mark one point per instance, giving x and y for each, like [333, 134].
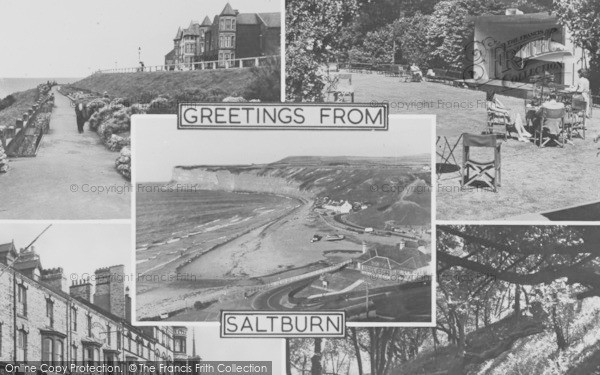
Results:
[284, 220]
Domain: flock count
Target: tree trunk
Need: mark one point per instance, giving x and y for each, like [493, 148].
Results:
[288, 366]
[356, 350]
[316, 368]
[560, 336]
[517, 306]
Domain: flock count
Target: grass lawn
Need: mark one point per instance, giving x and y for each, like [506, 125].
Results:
[23, 101]
[533, 179]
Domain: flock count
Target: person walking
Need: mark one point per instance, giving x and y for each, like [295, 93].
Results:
[80, 116]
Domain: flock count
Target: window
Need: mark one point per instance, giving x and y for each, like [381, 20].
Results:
[47, 349]
[52, 350]
[233, 41]
[233, 24]
[129, 341]
[50, 311]
[74, 318]
[179, 345]
[108, 334]
[74, 353]
[22, 300]
[118, 339]
[88, 355]
[222, 24]
[59, 354]
[222, 41]
[89, 325]
[21, 345]
[230, 24]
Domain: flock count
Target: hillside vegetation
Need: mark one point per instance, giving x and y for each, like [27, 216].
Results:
[23, 101]
[393, 190]
[143, 87]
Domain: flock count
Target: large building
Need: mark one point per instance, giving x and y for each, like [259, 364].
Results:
[515, 47]
[230, 35]
[42, 318]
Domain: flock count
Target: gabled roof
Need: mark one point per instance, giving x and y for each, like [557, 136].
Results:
[247, 19]
[206, 22]
[8, 247]
[271, 19]
[228, 11]
[170, 55]
[179, 33]
[405, 258]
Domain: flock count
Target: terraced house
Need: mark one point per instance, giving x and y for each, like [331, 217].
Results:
[41, 318]
[230, 35]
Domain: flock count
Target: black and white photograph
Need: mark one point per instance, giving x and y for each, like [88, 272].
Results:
[66, 104]
[511, 300]
[522, 76]
[284, 220]
[65, 300]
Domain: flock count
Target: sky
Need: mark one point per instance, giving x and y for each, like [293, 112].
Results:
[74, 38]
[78, 248]
[159, 145]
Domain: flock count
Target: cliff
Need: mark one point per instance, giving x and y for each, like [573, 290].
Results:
[356, 180]
[249, 180]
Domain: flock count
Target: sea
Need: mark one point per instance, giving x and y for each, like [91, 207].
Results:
[166, 217]
[12, 85]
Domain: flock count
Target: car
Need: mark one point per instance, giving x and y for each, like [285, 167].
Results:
[315, 238]
[334, 237]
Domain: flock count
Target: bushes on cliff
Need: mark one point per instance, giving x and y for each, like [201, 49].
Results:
[7, 102]
[123, 163]
[161, 105]
[3, 160]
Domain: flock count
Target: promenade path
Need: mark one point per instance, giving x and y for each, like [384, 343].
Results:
[58, 182]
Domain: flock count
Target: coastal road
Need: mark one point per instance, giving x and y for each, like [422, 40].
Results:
[58, 182]
[414, 300]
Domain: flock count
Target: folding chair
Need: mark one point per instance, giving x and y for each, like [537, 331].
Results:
[577, 116]
[342, 86]
[482, 171]
[551, 118]
[496, 118]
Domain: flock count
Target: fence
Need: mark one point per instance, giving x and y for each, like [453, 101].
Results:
[11, 134]
[248, 62]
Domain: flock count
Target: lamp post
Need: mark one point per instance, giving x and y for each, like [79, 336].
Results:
[139, 54]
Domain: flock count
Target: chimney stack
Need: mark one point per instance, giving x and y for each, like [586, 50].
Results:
[54, 278]
[81, 289]
[110, 290]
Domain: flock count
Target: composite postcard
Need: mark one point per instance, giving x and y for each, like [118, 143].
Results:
[300, 187]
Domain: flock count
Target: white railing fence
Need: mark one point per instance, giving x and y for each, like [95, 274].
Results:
[248, 62]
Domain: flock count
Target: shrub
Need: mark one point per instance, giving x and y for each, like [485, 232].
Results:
[266, 82]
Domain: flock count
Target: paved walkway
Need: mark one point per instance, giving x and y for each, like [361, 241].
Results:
[59, 182]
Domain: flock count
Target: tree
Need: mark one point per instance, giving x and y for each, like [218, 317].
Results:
[312, 33]
[548, 266]
[451, 29]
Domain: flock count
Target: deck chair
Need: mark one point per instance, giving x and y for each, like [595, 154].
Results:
[576, 117]
[342, 86]
[488, 172]
[497, 119]
[553, 120]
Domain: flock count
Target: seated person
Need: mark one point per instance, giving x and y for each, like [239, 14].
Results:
[494, 105]
[416, 72]
[552, 125]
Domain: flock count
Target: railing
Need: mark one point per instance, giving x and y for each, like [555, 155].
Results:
[8, 134]
[248, 62]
